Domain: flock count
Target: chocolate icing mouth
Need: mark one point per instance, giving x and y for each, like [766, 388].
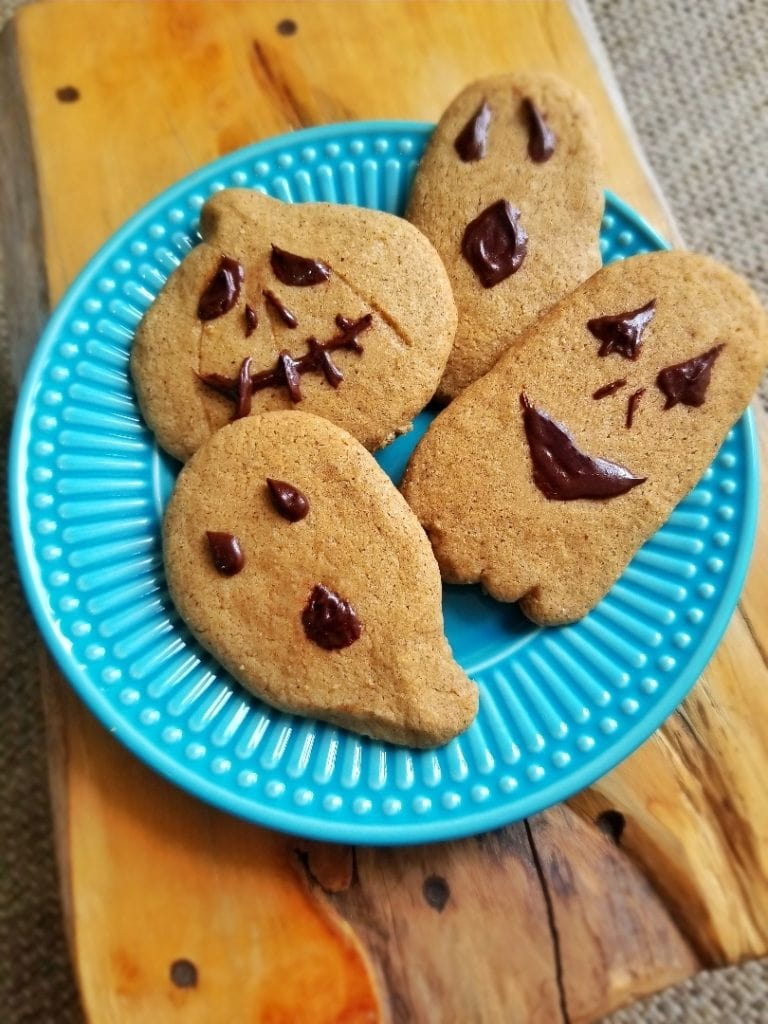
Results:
[288, 369]
[495, 243]
[329, 620]
[561, 470]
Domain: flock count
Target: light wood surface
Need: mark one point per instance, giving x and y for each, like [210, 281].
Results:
[555, 919]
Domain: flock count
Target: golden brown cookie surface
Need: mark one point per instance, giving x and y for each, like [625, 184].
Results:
[344, 312]
[296, 562]
[544, 477]
[528, 141]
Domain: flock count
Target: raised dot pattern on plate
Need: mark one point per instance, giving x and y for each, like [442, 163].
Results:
[557, 707]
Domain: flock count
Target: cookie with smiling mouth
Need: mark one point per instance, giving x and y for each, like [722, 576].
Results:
[545, 476]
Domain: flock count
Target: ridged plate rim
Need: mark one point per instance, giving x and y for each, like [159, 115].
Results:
[313, 821]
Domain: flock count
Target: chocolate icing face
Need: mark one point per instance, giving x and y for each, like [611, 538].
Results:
[288, 500]
[222, 291]
[472, 141]
[298, 271]
[227, 555]
[495, 243]
[688, 382]
[622, 333]
[329, 620]
[541, 138]
[563, 472]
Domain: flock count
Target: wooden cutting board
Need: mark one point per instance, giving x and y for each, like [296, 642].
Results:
[177, 912]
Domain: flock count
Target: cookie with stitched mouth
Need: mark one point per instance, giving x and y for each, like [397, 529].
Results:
[339, 311]
[543, 478]
[293, 558]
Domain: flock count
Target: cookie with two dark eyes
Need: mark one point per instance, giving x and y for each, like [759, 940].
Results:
[545, 476]
[296, 562]
[510, 192]
[339, 311]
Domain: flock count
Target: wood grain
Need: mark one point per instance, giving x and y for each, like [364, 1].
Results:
[551, 920]
[694, 796]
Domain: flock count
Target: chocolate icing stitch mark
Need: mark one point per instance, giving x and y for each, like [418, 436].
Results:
[288, 369]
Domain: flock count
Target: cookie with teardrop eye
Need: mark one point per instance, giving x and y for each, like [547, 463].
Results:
[296, 562]
[343, 312]
[510, 192]
[546, 475]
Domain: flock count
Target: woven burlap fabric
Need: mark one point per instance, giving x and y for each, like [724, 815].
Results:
[693, 75]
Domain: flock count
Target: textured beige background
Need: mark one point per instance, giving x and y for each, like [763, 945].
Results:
[693, 74]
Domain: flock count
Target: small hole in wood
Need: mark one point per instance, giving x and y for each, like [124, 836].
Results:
[287, 27]
[436, 892]
[611, 824]
[68, 94]
[183, 974]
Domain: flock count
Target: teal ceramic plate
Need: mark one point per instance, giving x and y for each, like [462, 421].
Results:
[558, 707]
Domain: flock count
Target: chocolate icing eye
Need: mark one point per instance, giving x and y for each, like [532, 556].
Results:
[563, 472]
[622, 333]
[244, 392]
[472, 141]
[226, 553]
[288, 500]
[329, 620]
[541, 138]
[222, 291]
[688, 382]
[298, 271]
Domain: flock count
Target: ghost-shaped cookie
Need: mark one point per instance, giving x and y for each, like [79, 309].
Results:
[510, 192]
[297, 563]
[545, 476]
[343, 312]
